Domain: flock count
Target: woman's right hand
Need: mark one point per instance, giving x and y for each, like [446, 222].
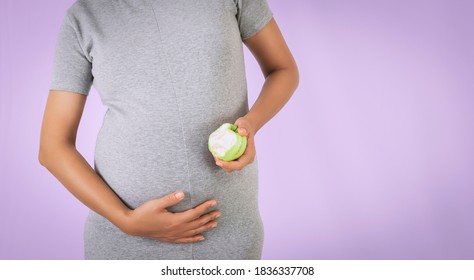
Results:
[151, 219]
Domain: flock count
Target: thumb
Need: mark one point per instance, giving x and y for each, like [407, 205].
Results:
[242, 131]
[171, 199]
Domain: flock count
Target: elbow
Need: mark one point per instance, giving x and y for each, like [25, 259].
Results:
[296, 76]
[291, 73]
[295, 73]
[42, 156]
[51, 151]
[293, 76]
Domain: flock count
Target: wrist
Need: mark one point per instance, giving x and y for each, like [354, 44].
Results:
[251, 118]
[123, 220]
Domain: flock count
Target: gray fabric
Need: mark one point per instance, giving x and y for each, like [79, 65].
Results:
[170, 73]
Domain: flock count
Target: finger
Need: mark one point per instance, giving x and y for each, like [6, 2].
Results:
[233, 165]
[224, 168]
[190, 239]
[171, 199]
[204, 219]
[194, 213]
[208, 226]
[238, 164]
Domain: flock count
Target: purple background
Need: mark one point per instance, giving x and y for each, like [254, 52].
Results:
[372, 158]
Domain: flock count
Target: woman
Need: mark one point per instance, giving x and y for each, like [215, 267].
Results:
[170, 73]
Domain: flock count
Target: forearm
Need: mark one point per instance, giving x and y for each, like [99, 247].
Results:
[75, 173]
[278, 88]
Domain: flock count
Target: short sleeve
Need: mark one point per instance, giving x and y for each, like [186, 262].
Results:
[72, 70]
[252, 16]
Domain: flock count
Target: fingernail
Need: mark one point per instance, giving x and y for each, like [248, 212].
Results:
[201, 238]
[244, 131]
[218, 215]
[219, 163]
[213, 203]
[179, 195]
[214, 225]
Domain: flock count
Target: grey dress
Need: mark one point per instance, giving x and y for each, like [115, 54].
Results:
[169, 73]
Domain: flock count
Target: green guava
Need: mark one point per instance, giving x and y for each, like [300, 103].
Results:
[226, 143]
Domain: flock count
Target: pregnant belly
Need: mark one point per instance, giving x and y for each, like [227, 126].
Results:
[140, 159]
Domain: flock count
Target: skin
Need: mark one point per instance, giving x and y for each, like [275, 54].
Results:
[281, 80]
[59, 155]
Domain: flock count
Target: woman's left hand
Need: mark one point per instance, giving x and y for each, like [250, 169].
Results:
[245, 128]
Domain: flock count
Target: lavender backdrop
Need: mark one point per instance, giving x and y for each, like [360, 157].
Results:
[372, 158]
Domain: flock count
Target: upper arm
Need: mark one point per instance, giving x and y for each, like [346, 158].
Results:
[69, 87]
[270, 49]
[261, 35]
